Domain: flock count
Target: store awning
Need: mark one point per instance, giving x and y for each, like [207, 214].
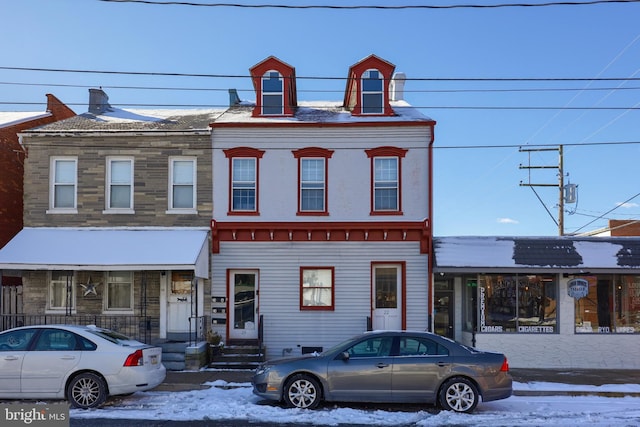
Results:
[108, 249]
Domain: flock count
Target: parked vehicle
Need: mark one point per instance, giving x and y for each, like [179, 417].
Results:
[388, 366]
[82, 364]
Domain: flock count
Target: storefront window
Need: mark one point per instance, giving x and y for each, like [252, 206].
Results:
[607, 304]
[517, 303]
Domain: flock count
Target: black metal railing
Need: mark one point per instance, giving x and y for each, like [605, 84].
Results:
[196, 329]
[136, 327]
[260, 332]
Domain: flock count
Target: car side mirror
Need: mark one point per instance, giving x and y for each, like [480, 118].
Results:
[344, 355]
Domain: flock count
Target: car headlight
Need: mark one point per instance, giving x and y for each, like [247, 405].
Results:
[261, 370]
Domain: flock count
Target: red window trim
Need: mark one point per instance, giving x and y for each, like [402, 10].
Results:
[386, 151]
[313, 152]
[246, 152]
[333, 288]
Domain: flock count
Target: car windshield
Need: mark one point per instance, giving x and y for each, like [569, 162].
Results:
[113, 336]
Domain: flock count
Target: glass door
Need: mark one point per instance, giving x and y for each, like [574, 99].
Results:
[387, 297]
[243, 307]
[443, 314]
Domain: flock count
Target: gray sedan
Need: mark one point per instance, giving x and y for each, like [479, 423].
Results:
[388, 366]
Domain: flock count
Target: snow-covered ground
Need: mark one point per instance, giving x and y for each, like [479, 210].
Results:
[236, 401]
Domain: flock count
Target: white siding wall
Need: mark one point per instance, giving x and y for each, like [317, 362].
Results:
[349, 176]
[285, 326]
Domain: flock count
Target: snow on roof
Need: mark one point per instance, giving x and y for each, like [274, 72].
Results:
[10, 118]
[107, 249]
[322, 112]
[126, 120]
[142, 115]
[566, 252]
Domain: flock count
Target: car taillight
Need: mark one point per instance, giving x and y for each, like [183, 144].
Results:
[505, 366]
[134, 359]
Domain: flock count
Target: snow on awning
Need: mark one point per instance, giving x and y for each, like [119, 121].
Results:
[108, 249]
[561, 253]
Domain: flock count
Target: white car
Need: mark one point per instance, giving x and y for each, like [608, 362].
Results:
[83, 364]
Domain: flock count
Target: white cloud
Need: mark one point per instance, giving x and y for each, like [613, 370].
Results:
[627, 205]
[507, 221]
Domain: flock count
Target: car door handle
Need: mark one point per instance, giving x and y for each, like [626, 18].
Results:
[69, 357]
[11, 358]
[382, 365]
[442, 364]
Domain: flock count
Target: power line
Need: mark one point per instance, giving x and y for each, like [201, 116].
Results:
[427, 79]
[380, 7]
[320, 107]
[205, 89]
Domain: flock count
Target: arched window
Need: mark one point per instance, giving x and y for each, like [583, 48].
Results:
[272, 93]
[372, 92]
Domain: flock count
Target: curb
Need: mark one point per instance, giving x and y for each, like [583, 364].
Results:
[574, 393]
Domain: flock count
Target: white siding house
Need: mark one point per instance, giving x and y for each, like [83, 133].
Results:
[321, 214]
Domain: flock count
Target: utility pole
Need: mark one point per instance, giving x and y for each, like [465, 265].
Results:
[560, 185]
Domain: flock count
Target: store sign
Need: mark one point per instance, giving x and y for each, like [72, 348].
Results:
[578, 288]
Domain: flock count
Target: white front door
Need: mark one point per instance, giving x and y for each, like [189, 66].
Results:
[387, 297]
[243, 304]
[179, 294]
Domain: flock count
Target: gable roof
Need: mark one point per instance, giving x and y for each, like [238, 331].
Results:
[576, 254]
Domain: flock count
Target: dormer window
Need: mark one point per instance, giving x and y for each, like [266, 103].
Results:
[372, 92]
[367, 91]
[275, 84]
[272, 93]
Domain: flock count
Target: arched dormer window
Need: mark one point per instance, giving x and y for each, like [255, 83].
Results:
[372, 92]
[275, 84]
[367, 91]
[272, 93]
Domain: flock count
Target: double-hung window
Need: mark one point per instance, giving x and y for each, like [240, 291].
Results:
[244, 176]
[62, 294]
[316, 288]
[119, 291]
[64, 184]
[312, 185]
[372, 92]
[385, 184]
[244, 185]
[120, 184]
[272, 93]
[312, 180]
[182, 185]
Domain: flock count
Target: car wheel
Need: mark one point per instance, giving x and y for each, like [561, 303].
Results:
[459, 395]
[86, 390]
[302, 391]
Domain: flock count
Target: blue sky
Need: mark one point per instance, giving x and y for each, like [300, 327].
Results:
[477, 177]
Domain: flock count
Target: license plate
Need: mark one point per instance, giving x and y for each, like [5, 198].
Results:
[154, 360]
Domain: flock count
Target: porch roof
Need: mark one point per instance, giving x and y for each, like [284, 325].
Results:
[108, 249]
[568, 254]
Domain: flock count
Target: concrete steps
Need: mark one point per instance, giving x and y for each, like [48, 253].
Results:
[244, 357]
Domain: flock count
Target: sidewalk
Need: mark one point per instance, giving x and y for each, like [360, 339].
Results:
[527, 382]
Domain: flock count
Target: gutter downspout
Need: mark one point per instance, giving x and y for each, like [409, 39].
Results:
[430, 257]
